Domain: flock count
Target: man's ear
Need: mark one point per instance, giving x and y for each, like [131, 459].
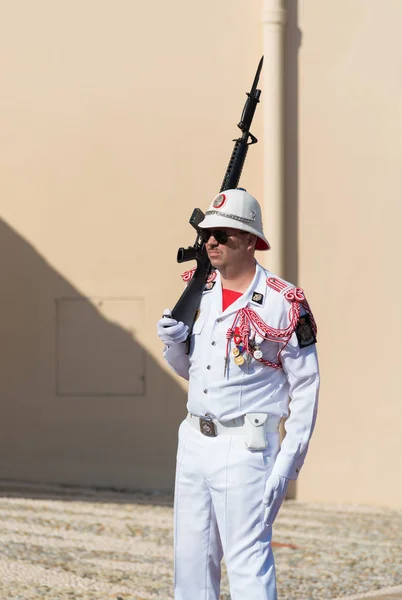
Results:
[252, 239]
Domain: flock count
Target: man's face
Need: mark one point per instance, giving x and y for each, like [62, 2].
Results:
[234, 251]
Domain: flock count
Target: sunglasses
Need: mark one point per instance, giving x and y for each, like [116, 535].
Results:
[220, 235]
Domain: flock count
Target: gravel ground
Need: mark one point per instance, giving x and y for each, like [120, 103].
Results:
[119, 547]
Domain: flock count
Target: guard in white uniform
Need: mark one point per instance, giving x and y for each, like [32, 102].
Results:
[252, 349]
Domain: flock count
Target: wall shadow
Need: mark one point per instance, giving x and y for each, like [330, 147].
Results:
[293, 40]
[76, 413]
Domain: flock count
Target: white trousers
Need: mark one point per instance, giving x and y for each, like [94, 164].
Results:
[219, 511]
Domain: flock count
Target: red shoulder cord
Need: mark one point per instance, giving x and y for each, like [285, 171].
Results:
[247, 317]
[188, 275]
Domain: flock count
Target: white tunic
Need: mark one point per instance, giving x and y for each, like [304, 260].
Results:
[253, 386]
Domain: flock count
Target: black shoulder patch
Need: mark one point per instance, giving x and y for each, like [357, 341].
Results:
[304, 331]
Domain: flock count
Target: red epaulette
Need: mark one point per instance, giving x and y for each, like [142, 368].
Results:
[290, 292]
[188, 275]
[276, 284]
[294, 295]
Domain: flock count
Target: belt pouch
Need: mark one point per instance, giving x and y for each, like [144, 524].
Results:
[254, 431]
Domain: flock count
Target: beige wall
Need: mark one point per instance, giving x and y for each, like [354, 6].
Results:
[350, 188]
[116, 121]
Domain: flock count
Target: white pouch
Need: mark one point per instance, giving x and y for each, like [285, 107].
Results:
[254, 431]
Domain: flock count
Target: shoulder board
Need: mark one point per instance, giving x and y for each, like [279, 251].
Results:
[188, 275]
[276, 284]
[290, 292]
[305, 326]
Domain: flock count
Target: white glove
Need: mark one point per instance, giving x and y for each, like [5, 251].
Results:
[275, 492]
[170, 331]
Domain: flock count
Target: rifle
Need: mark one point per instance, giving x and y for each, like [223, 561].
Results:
[188, 303]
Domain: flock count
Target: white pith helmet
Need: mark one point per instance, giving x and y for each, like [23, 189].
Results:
[239, 210]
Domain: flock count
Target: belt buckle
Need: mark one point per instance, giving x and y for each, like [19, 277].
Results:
[207, 427]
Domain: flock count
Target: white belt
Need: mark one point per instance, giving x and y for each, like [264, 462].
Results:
[232, 427]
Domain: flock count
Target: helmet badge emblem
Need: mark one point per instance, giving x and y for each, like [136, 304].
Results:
[219, 201]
